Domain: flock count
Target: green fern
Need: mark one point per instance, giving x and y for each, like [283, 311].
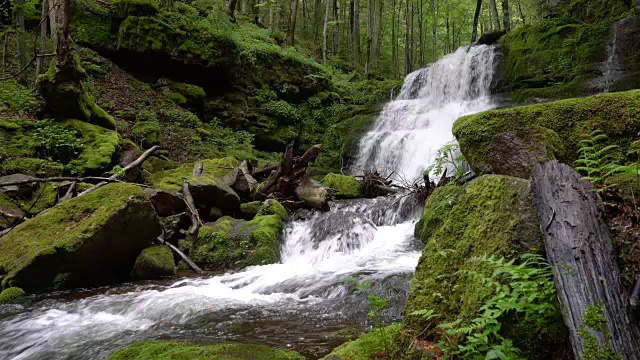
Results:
[596, 161]
[526, 289]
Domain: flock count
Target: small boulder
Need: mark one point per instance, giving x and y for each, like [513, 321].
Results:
[171, 226]
[346, 187]
[154, 262]
[249, 210]
[490, 37]
[241, 181]
[165, 202]
[208, 192]
[11, 295]
[88, 240]
[9, 212]
[313, 194]
[273, 207]
[17, 191]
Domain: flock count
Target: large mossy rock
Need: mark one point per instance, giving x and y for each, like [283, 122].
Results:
[211, 192]
[510, 141]
[88, 240]
[346, 187]
[11, 295]
[234, 244]
[169, 350]
[154, 262]
[172, 179]
[493, 217]
[379, 343]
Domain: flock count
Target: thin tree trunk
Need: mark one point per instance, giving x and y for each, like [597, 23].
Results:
[277, 15]
[20, 45]
[524, 21]
[495, 19]
[356, 32]
[327, 13]
[43, 38]
[336, 27]
[394, 59]
[379, 31]
[270, 14]
[316, 20]
[372, 38]
[506, 15]
[476, 16]
[448, 45]
[407, 44]
[434, 28]
[421, 29]
[232, 9]
[5, 59]
[292, 22]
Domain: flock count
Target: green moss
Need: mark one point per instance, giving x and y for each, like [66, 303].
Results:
[189, 94]
[91, 25]
[370, 345]
[60, 231]
[15, 97]
[273, 207]
[147, 133]
[125, 8]
[100, 146]
[10, 295]
[167, 350]
[616, 114]
[154, 262]
[347, 187]
[233, 244]
[595, 322]
[173, 179]
[32, 166]
[493, 217]
[177, 98]
[250, 210]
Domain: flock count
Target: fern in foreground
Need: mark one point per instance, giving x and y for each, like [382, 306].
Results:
[596, 162]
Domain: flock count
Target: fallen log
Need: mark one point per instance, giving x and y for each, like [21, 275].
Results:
[198, 169]
[285, 169]
[184, 257]
[124, 171]
[71, 192]
[264, 171]
[191, 207]
[579, 249]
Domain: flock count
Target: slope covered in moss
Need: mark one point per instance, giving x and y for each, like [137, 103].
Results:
[161, 350]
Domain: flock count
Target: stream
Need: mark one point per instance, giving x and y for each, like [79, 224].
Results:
[308, 302]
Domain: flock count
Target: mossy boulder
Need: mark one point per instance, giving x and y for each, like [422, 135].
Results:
[147, 133]
[249, 210]
[84, 241]
[125, 8]
[493, 216]
[66, 96]
[172, 179]
[169, 350]
[544, 131]
[10, 295]
[347, 187]
[165, 202]
[369, 346]
[154, 262]
[9, 212]
[234, 244]
[273, 207]
[100, 148]
[211, 192]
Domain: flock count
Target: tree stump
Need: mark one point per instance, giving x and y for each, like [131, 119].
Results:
[579, 249]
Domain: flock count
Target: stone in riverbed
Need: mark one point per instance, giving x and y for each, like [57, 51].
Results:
[88, 240]
[154, 262]
[313, 194]
[165, 202]
[209, 192]
[11, 295]
[347, 187]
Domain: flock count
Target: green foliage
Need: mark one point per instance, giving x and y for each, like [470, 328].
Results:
[447, 157]
[168, 350]
[179, 117]
[595, 160]
[10, 295]
[525, 289]
[15, 97]
[594, 321]
[55, 142]
[147, 133]
[283, 111]
[347, 187]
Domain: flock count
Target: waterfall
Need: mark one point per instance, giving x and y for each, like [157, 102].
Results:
[306, 299]
[612, 68]
[409, 131]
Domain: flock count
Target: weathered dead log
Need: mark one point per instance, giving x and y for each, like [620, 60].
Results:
[191, 207]
[265, 171]
[182, 255]
[308, 156]
[579, 249]
[71, 192]
[198, 169]
[137, 162]
[284, 169]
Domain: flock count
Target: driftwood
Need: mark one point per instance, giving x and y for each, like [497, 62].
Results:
[137, 162]
[71, 192]
[265, 171]
[184, 257]
[198, 169]
[579, 249]
[290, 172]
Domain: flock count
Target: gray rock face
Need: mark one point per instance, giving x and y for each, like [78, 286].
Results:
[516, 155]
[9, 214]
[171, 226]
[17, 191]
[166, 203]
[313, 194]
[209, 192]
[241, 181]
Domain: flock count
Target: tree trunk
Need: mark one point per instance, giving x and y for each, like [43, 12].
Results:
[336, 28]
[524, 21]
[316, 20]
[20, 45]
[394, 59]
[506, 15]
[232, 9]
[373, 40]
[356, 32]
[327, 13]
[5, 50]
[578, 246]
[43, 38]
[495, 19]
[476, 16]
[434, 28]
[292, 22]
[421, 30]
[407, 46]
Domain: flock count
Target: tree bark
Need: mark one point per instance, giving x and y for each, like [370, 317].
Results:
[43, 38]
[580, 252]
[336, 28]
[495, 19]
[184, 257]
[232, 9]
[5, 60]
[476, 16]
[292, 22]
[524, 20]
[506, 15]
[434, 28]
[325, 30]
[356, 32]
[20, 44]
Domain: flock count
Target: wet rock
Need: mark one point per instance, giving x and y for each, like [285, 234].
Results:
[273, 207]
[11, 295]
[241, 181]
[165, 202]
[171, 226]
[88, 240]
[346, 187]
[490, 37]
[17, 191]
[313, 194]
[209, 192]
[347, 230]
[154, 262]
[249, 210]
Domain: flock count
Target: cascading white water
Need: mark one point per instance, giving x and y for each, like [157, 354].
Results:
[302, 301]
[612, 68]
[410, 130]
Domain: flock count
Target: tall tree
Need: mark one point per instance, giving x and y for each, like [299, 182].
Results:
[43, 37]
[495, 19]
[476, 17]
[434, 28]
[292, 21]
[232, 10]
[327, 14]
[20, 45]
[506, 16]
[356, 32]
[407, 40]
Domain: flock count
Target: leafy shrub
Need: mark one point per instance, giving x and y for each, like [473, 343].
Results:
[146, 115]
[15, 97]
[54, 141]
[282, 110]
[179, 117]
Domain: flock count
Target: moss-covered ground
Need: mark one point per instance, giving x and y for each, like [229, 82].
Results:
[169, 350]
